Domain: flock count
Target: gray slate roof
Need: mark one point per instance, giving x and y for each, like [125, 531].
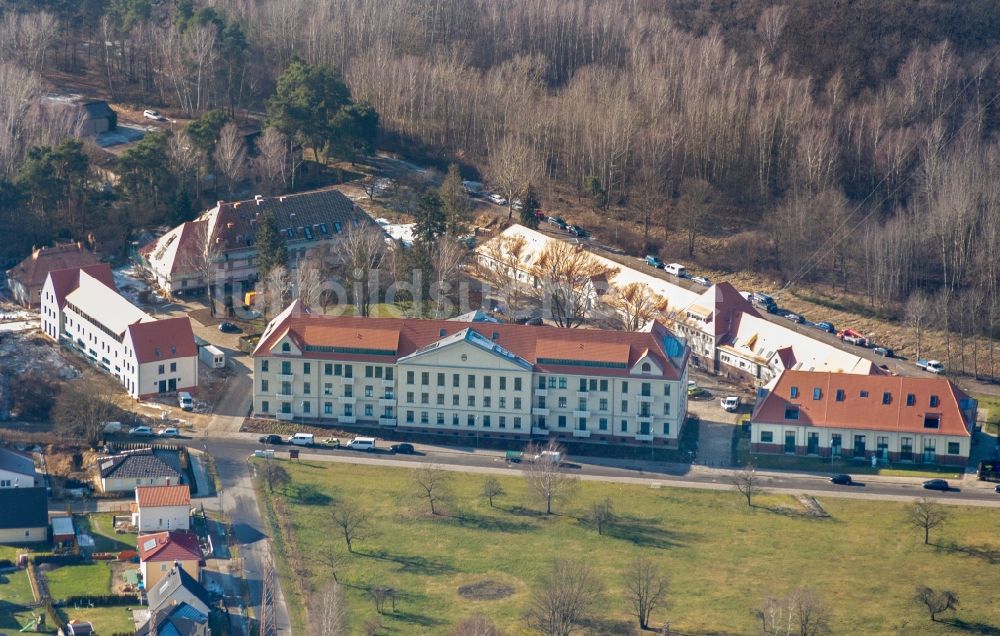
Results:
[139, 464]
[16, 462]
[24, 508]
[173, 581]
[180, 620]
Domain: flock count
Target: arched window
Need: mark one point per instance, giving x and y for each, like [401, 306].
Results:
[645, 367]
[286, 347]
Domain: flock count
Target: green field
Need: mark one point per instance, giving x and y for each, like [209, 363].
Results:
[722, 558]
[101, 527]
[86, 579]
[106, 620]
[989, 412]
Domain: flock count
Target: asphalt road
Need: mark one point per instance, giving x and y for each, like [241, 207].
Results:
[231, 455]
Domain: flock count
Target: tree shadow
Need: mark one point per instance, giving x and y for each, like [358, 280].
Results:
[494, 524]
[608, 626]
[986, 553]
[415, 619]
[7, 619]
[413, 564]
[647, 533]
[974, 627]
[521, 511]
[309, 495]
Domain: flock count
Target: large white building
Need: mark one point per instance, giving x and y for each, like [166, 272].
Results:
[82, 308]
[725, 333]
[489, 380]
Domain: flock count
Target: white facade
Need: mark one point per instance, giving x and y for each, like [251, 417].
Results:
[161, 518]
[120, 338]
[11, 479]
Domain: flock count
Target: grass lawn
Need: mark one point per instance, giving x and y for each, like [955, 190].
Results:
[15, 595]
[722, 558]
[79, 580]
[101, 527]
[106, 620]
[989, 411]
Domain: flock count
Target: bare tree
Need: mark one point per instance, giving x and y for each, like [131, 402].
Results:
[272, 163]
[363, 254]
[273, 291]
[503, 263]
[601, 514]
[446, 260]
[745, 482]
[330, 611]
[926, 514]
[352, 521]
[801, 613]
[936, 601]
[919, 311]
[82, 410]
[645, 589]
[770, 26]
[432, 483]
[547, 479]
[568, 278]
[186, 159]
[202, 257]
[695, 209]
[564, 598]
[476, 625]
[492, 488]
[310, 278]
[275, 475]
[636, 303]
[231, 155]
[513, 165]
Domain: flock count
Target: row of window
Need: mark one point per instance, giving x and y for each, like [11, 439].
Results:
[456, 380]
[602, 405]
[644, 428]
[470, 419]
[840, 396]
[860, 445]
[487, 401]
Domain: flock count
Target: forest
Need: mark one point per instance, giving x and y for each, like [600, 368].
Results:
[848, 142]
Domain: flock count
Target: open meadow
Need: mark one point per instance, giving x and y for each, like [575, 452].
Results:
[722, 558]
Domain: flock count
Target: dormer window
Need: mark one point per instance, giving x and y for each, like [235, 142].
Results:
[285, 347]
[645, 367]
[322, 228]
[157, 353]
[934, 401]
[794, 392]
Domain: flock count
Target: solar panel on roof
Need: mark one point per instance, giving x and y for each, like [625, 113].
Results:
[149, 544]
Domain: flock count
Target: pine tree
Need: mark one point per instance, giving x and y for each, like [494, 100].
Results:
[529, 208]
[454, 200]
[271, 250]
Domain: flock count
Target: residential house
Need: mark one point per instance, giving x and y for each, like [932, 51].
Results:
[225, 236]
[149, 356]
[17, 470]
[891, 418]
[27, 278]
[488, 380]
[178, 586]
[144, 467]
[162, 551]
[175, 620]
[25, 517]
[160, 508]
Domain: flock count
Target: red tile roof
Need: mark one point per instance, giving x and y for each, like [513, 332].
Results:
[65, 281]
[163, 339]
[546, 348]
[157, 496]
[868, 411]
[175, 545]
[33, 270]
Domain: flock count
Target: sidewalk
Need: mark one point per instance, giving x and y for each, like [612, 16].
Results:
[204, 485]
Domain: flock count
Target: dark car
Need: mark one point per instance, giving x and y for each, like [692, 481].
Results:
[576, 230]
[825, 326]
[228, 327]
[884, 351]
[841, 480]
[936, 484]
[555, 220]
[270, 439]
[402, 449]
[794, 317]
[997, 489]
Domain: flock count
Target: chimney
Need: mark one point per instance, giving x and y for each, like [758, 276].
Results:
[258, 198]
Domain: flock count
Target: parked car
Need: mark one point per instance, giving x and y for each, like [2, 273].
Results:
[496, 198]
[154, 115]
[937, 484]
[884, 351]
[534, 322]
[576, 230]
[552, 457]
[930, 365]
[701, 280]
[302, 439]
[140, 431]
[112, 427]
[271, 439]
[332, 442]
[362, 443]
[676, 269]
[655, 261]
[228, 327]
[185, 401]
[760, 299]
[558, 222]
[825, 326]
[170, 431]
[402, 449]
[693, 389]
[841, 480]
[731, 403]
[997, 488]
[850, 336]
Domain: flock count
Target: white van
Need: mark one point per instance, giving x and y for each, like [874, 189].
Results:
[185, 400]
[302, 439]
[547, 456]
[676, 269]
[362, 443]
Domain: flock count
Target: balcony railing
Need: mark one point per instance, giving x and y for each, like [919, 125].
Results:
[579, 433]
[541, 392]
[348, 380]
[581, 413]
[537, 410]
[387, 401]
[347, 399]
[646, 398]
[536, 430]
[639, 437]
[286, 377]
[582, 394]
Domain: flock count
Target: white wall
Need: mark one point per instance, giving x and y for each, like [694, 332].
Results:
[158, 518]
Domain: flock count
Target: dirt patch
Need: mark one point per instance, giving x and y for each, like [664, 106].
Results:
[487, 590]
